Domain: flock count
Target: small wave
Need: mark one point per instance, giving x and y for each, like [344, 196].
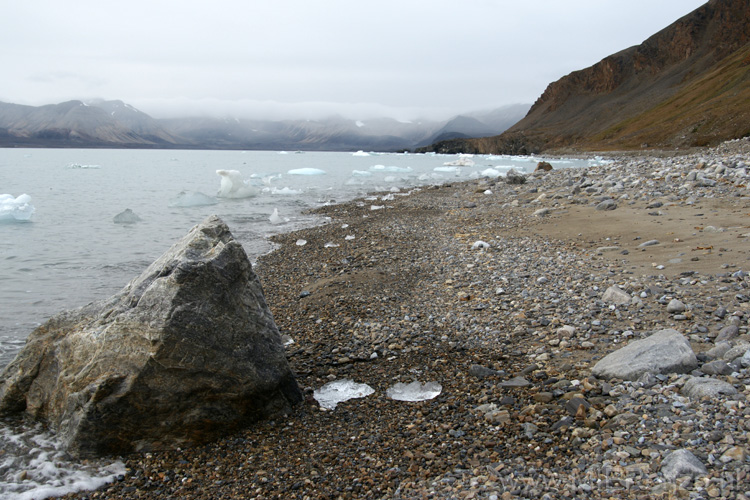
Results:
[35, 466]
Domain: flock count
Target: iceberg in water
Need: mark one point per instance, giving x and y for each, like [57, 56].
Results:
[415, 391]
[234, 186]
[339, 391]
[192, 199]
[16, 209]
[127, 216]
[306, 171]
[360, 152]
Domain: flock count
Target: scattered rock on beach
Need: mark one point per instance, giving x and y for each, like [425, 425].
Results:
[666, 351]
[682, 463]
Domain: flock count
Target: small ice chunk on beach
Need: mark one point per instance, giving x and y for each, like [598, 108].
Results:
[306, 171]
[16, 209]
[415, 391]
[300, 242]
[192, 199]
[127, 216]
[480, 245]
[234, 186]
[339, 391]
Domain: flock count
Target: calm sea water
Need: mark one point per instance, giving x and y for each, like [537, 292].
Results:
[72, 252]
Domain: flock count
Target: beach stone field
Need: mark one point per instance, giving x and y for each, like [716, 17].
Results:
[587, 330]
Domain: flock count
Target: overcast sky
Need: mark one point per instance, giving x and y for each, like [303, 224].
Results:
[305, 58]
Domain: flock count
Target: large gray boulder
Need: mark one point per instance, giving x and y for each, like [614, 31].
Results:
[186, 352]
[666, 351]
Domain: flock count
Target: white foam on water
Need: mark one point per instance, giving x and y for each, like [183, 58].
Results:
[35, 466]
[339, 391]
[16, 209]
[415, 391]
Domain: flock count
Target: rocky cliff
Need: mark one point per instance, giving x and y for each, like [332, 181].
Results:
[687, 85]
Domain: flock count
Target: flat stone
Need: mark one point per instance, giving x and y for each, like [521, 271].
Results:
[727, 333]
[682, 463]
[515, 382]
[480, 371]
[607, 205]
[716, 367]
[698, 387]
[648, 243]
[614, 295]
[676, 306]
[719, 350]
[666, 351]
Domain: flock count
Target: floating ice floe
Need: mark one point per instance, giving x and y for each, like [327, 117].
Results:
[127, 216]
[361, 173]
[390, 169]
[234, 186]
[415, 391]
[339, 391]
[16, 209]
[462, 161]
[306, 171]
[78, 166]
[192, 199]
[360, 152]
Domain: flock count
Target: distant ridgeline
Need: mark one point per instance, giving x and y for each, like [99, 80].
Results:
[115, 124]
[688, 85]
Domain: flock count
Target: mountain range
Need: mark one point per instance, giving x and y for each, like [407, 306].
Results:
[115, 124]
[687, 85]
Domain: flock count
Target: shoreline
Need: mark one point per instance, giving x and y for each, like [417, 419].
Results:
[409, 298]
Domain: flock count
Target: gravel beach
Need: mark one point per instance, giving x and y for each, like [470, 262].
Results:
[507, 295]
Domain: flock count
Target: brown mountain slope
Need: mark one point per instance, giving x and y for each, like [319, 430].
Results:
[687, 85]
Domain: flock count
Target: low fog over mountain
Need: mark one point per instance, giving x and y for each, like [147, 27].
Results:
[115, 124]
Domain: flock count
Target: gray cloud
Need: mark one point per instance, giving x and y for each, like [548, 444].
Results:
[293, 58]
